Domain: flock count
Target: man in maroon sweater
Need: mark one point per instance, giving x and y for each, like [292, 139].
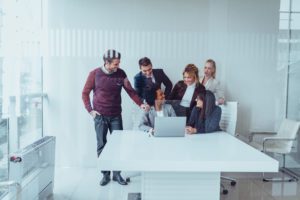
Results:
[106, 82]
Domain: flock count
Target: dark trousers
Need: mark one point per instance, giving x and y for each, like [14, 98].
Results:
[182, 111]
[102, 125]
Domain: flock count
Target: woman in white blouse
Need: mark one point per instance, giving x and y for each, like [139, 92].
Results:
[185, 91]
[211, 83]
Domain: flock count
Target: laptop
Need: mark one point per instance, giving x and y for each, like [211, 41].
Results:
[169, 126]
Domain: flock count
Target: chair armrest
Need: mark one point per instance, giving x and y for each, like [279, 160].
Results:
[9, 183]
[275, 139]
[252, 134]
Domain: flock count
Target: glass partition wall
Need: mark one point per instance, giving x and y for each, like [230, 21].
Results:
[289, 48]
[21, 99]
[3, 135]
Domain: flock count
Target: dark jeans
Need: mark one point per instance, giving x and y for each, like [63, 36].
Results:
[102, 125]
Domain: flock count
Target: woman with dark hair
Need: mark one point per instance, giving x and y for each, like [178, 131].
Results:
[185, 91]
[159, 109]
[205, 116]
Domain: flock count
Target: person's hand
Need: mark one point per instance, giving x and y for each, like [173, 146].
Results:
[145, 107]
[94, 113]
[190, 130]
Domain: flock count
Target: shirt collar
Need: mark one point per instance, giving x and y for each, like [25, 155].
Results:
[105, 70]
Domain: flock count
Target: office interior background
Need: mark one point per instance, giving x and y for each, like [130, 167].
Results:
[47, 49]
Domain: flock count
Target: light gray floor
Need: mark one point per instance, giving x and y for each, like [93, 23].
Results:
[83, 184]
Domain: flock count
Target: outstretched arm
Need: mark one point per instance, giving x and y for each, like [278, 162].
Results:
[219, 94]
[168, 84]
[133, 95]
[191, 129]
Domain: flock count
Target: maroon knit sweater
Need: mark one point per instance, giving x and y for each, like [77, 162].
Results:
[107, 92]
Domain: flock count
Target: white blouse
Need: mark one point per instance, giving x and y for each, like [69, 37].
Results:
[160, 113]
[188, 95]
[213, 85]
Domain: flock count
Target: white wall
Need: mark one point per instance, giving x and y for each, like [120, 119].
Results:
[240, 35]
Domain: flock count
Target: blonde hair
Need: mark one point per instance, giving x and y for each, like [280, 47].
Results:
[213, 63]
[192, 70]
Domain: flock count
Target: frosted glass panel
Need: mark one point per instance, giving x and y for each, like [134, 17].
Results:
[20, 76]
[294, 92]
[295, 5]
[3, 149]
[295, 23]
[284, 5]
[284, 21]
[293, 110]
[3, 115]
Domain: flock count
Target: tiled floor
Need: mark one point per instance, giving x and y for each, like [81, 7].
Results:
[83, 184]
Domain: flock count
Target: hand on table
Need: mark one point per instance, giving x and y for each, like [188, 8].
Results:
[190, 130]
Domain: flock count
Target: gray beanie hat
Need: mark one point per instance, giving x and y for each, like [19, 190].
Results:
[111, 54]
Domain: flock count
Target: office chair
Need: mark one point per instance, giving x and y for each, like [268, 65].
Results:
[280, 143]
[228, 124]
[136, 114]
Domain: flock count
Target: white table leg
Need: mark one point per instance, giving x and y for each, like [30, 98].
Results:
[179, 186]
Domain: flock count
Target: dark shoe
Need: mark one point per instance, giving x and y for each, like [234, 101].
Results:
[105, 180]
[119, 179]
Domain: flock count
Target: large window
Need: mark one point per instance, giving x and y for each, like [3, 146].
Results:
[289, 57]
[21, 99]
[3, 134]
[289, 48]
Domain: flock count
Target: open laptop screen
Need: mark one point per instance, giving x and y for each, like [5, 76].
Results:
[169, 126]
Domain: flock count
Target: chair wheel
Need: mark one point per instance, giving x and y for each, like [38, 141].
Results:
[225, 192]
[127, 180]
[232, 183]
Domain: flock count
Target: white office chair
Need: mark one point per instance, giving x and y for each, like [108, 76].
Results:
[280, 143]
[228, 124]
[136, 114]
[229, 117]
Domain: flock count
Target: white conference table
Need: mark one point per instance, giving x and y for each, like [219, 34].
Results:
[180, 168]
